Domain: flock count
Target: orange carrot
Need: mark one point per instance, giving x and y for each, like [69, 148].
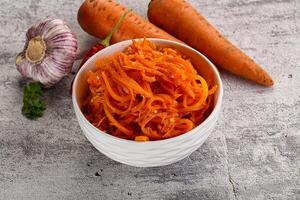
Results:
[181, 20]
[98, 17]
[141, 138]
[135, 103]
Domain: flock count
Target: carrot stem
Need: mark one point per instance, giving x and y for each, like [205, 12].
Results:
[106, 41]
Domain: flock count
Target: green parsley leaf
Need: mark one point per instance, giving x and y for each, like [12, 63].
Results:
[33, 106]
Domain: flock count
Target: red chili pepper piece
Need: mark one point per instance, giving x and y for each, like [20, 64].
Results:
[95, 49]
[98, 47]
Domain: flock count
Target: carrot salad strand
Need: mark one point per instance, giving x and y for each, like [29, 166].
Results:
[147, 93]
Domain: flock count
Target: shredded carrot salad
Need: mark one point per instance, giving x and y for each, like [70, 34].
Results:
[147, 93]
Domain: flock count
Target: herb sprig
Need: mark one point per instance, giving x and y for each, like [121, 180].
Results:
[33, 105]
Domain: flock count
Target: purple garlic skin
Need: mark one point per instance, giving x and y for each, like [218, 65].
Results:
[49, 53]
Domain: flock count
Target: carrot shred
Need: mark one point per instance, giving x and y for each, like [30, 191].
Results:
[141, 138]
[147, 93]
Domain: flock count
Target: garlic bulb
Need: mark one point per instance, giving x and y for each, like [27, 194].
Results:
[49, 52]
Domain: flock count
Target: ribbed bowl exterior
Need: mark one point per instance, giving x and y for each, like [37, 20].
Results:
[153, 153]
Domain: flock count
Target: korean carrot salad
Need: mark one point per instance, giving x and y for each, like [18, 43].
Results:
[147, 93]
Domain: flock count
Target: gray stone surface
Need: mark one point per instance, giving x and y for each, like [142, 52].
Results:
[253, 153]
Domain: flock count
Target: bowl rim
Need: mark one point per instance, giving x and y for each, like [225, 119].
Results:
[157, 142]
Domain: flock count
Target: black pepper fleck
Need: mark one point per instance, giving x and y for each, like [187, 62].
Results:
[97, 174]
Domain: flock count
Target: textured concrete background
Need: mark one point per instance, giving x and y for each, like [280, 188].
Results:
[254, 152]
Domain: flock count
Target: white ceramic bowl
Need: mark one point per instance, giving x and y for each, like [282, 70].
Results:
[153, 153]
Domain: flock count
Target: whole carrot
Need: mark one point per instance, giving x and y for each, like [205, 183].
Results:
[97, 17]
[181, 20]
